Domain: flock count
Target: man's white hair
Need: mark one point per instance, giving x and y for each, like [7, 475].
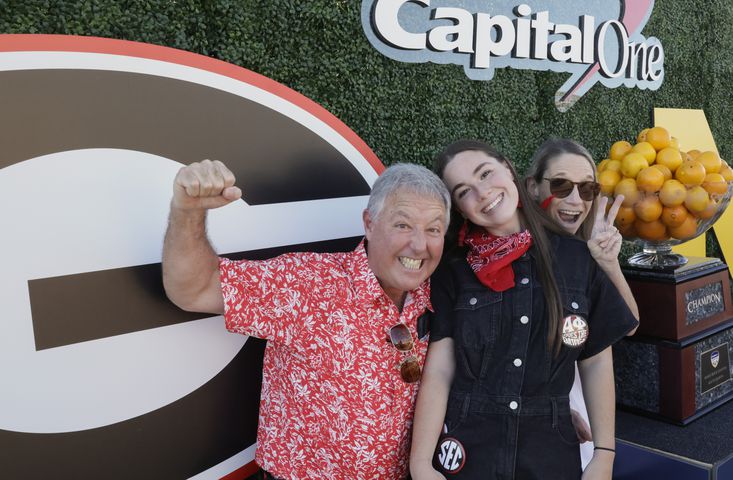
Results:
[407, 177]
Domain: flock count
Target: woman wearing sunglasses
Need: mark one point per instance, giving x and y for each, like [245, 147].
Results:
[517, 301]
[562, 179]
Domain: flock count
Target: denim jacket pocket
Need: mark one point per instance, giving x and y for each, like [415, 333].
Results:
[456, 413]
[574, 302]
[566, 431]
[477, 314]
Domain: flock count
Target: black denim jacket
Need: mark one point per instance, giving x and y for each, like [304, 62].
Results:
[504, 365]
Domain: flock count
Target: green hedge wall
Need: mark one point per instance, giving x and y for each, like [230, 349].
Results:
[407, 112]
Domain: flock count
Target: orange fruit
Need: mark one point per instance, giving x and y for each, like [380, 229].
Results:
[650, 179]
[648, 209]
[608, 180]
[646, 150]
[710, 160]
[715, 184]
[654, 230]
[614, 165]
[672, 193]
[619, 150]
[674, 216]
[709, 210]
[686, 230]
[625, 216]
[659, 137]
[628, 231]
[691, 172]
[697, 199]
[602, 165]
[665, 171]
[627, 188]
[693, 154]
[670, 158]
[674, 143]
[642, 136]
[726, 172]
[632, 164]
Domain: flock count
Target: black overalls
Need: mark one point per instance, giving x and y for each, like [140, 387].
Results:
[508, 415]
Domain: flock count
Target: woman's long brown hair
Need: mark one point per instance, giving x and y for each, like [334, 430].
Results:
[531, 216]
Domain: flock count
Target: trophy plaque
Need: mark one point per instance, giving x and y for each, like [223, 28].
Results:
[680, 302]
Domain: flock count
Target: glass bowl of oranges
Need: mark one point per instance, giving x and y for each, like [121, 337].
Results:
[670, 196]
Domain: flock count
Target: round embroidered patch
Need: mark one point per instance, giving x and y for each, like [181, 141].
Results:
[451, 455]
[574, 331]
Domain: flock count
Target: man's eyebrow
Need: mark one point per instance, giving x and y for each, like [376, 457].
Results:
[475, 171]
[402, 213]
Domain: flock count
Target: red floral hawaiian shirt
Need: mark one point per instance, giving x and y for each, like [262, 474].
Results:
[333, 403]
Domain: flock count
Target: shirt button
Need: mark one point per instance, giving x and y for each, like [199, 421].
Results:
[574, 305]
[473, 301]
[524, 319]
[513, 405]
[524, 281]
[517, 362]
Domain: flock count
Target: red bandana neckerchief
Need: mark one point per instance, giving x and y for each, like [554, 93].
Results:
[491, 257]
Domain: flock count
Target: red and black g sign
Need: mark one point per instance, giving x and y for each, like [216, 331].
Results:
[101, 376]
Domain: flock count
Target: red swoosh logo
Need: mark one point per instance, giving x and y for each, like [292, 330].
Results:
[633, 13]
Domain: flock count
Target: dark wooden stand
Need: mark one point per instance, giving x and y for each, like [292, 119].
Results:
[677, 366]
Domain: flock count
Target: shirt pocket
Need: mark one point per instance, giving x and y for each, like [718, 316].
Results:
[477, 316]
[575, 302]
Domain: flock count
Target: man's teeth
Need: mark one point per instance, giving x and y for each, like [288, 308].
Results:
[494, 203]
[411, 263]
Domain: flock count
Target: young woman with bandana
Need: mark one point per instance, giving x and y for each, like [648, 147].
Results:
[562, 179]
[517, 302]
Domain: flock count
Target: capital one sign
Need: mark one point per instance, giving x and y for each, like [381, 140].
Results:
[100, 376]
[594, 40]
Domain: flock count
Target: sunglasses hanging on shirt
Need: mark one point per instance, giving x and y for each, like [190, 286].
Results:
[401, 339]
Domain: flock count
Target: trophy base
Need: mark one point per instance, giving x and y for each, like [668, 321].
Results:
[675, 303]
[675, 381]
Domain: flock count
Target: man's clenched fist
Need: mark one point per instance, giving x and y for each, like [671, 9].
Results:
[204, 185]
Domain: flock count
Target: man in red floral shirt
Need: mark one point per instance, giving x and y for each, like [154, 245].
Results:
[343, 356]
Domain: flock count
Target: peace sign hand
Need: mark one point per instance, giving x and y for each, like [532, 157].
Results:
[605, 240]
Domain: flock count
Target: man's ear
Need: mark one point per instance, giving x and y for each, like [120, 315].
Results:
[533, 189]
[368, 223]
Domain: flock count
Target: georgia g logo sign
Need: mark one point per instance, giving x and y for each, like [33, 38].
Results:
[101, 376]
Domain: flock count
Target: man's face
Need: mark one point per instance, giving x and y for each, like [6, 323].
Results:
[405, 242]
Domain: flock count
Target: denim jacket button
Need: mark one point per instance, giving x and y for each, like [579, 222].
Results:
[524, 281]
[473, 301]
[513, 405]
[517, 362]
[524, 319]
[574, 305]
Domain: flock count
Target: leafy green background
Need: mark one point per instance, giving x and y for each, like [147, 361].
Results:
[407, 112]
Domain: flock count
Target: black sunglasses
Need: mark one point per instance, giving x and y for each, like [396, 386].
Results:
[562, 187]
[401, 338]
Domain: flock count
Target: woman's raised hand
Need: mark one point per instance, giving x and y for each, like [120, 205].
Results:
[605, 240]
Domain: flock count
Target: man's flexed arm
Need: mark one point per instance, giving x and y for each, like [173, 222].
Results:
[190, 265]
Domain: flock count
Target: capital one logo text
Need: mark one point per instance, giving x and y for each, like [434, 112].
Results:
[595, 41]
